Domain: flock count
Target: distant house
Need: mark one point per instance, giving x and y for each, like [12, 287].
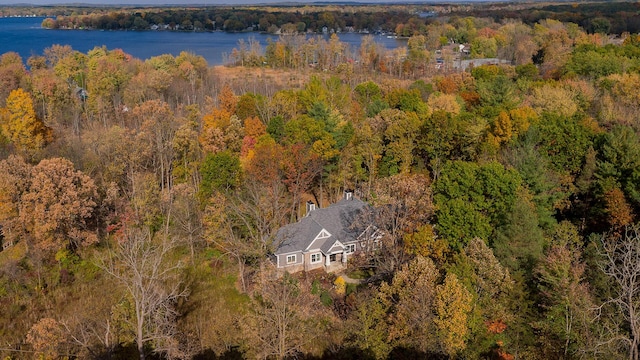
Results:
[325, 238]
[466, 64]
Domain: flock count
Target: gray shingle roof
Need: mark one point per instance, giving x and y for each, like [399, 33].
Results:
[336, 219]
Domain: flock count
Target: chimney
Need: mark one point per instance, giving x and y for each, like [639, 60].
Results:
[310, 206]
[348, 194]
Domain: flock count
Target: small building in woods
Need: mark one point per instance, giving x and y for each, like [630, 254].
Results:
[326, 237]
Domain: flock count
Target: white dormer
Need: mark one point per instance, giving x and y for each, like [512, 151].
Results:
[337, 246]
[323, 234]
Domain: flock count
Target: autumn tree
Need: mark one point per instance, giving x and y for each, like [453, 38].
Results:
[409, 299]
[261, 203]
[368, 152]
[54, 101]
[301, 169]
[157, 129]
[15, 181]
[21, 126]
[554, 99]
[58, 207]
[518, 45]
[417, 54]
[187, 150]
[554, 40]
[444, 102]
[368, 329]
[12, 74]
[244, 213]
[46, 338]
[107, 74]
[403, 204]
[191, 69]
[452, 307]
[400, 136]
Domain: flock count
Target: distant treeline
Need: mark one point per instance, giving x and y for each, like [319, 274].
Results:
[594, 17]
[230, 19]
[406, 20]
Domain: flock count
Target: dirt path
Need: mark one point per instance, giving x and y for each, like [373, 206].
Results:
[349, 280]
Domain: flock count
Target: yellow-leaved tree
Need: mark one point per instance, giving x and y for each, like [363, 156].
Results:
[452, 305]
[20, 125]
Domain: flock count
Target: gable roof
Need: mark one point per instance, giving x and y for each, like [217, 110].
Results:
[337, 220]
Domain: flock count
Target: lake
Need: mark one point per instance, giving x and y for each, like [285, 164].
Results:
[26, 37]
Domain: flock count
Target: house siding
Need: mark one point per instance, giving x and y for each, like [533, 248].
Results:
[307, 262]
[297, 266]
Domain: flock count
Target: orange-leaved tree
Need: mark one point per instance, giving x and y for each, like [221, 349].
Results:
[57, 209]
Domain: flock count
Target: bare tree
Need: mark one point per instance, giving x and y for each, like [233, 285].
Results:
[186, 216]
[402, 204]
[150, 277]
[281, 324]
[622, 265]
[244, 223]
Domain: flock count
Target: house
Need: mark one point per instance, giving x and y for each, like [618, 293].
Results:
[325, 238]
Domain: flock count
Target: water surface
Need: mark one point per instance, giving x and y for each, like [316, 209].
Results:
[26, 37]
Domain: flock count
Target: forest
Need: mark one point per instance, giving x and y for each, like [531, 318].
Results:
[140, 199]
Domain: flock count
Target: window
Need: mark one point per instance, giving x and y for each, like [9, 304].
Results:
[291, 259]
[350, 248]
[316, 258]
[332, 257]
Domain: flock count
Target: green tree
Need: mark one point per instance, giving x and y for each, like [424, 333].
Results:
[519, 241]
[220, 172]
[564, 140]
[492, 286]
[368, 329]
[618, 162]
[472, 200]
[400, 136]
[497, 93]
[566, 298]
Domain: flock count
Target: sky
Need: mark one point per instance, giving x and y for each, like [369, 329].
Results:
[202, 2]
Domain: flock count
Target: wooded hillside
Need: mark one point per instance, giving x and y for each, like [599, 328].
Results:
[140, 199]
